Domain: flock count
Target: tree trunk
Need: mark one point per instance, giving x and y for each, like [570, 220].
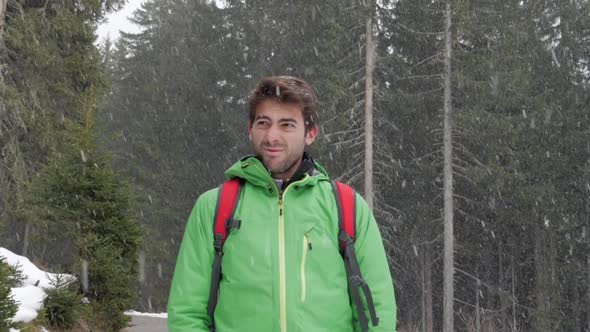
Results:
[3, 4]
[427, 322]
[449, 269]
[369, 67]
[428, 287]
[578, 303]
[423, 293]
[26, 238]
[501, 297]
[141, 276]
[477, 309]
[544, 318]
[512, 268]
[504, 300]
[586, 231]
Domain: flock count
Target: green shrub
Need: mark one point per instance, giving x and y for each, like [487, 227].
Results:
[111, 276]
[62, 304]
[8, 306]
[16, 276]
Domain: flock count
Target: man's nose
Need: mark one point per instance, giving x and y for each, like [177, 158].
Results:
[273, 133]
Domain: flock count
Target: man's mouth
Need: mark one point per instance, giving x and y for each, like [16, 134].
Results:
[273, 151]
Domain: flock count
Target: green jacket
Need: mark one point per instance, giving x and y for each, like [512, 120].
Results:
[282, 270]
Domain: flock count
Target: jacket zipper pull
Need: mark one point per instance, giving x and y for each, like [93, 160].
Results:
[307, 237]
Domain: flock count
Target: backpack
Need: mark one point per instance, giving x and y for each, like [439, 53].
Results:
[224, 222]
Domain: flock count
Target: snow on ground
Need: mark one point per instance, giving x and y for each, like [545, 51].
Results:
[30, 294]
[30, 299]
[34, 276]
[148, 314]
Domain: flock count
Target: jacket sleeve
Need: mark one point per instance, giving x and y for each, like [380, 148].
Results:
[189, 293]
[373, 264]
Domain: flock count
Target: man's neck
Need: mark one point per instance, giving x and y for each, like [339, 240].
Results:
[305, 166]
[288, 174]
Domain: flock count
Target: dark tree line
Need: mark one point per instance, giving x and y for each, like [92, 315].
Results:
[61, 203]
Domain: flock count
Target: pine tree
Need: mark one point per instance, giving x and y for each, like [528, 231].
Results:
[8, 306]
[411, 164]
[77, 196]
[48, 62]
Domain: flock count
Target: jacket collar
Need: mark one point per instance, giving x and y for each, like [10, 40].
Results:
[251, 169]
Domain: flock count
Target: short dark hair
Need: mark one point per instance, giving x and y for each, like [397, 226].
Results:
[286, 89]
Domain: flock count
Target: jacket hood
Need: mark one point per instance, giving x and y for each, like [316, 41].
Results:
[252, 170]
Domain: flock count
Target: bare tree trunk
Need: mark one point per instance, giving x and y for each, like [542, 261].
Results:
[3, 4]
[512, 268]
[586, 231]
[428, 287]
[541, 282]
[449, 269]
[423, 293]
[369, 67]
[427, 322]
[141, 276]
[504, 300]
[26, 239]
[578, 303]
[546, 298]
[477, 309]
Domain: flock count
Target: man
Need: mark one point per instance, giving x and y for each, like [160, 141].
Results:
[282, 269]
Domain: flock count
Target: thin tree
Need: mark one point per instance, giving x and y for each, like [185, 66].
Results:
[3, 4]
[369, 68]
[449, 271]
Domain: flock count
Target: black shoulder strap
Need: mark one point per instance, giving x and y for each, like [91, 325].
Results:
[346, 202]
[227, 202]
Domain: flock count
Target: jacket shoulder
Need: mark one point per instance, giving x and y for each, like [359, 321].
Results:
[208, 199]
[204, 209]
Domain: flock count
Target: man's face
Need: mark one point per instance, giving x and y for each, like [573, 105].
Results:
[279, 137]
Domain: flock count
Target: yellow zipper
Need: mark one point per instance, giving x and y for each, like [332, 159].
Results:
[282, 272]
[282, 269]
[306, 244]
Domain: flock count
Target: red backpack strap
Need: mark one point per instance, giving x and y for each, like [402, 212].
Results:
[226, 206]
[223, 222]
[346, 202]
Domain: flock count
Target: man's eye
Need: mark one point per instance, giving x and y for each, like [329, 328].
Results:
[288, 125]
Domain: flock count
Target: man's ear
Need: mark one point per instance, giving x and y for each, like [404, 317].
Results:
[310, 135]
[250, 130]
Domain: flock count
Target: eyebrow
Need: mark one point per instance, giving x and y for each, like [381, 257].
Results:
[258, 117]
[283, 120]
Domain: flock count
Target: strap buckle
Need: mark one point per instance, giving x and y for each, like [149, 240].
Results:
[218, 243]
[345, 238]
[233, 223]
[357, 281]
